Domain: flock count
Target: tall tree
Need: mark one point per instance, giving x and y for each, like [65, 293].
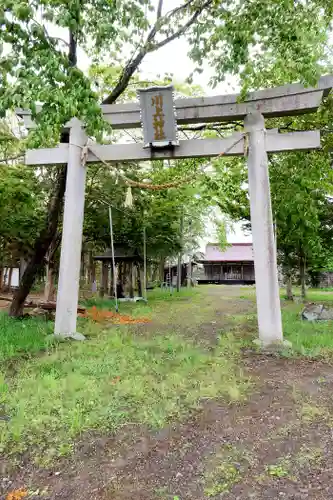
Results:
[41, 67]
[265, 42]
[156, 210]
[301, 186]
[260, 40]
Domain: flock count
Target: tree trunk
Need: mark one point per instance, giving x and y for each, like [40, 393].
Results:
[155, 274]
[10, 275]
[131, 279]
[302, 277]
[189, 273]
[49, 285]
[120, 274]
[162, 263]
[83, 268]
[111, 286]
[91, 268]
[49, 289]
[46, 236]
[104, 279]
[289, 288]
[139, 285]
[123, 279]
[180, 255]
[43, 241]
[1, 277]
[23, 265]
[5, 276]
[93, 277]
[41, 246]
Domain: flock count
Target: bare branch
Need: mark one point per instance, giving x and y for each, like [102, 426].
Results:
[171, 13]
[230, 126]
[135, 139]
[60, 40]
[291, 129]
[186, 135]
[92, 181]
[135, 61]
[12, 158]
[125, 77]
[141, 82]
[47, 35]
[159, 9]
[183, 29]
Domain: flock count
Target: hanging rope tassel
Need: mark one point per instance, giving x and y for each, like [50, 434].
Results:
[129, 198]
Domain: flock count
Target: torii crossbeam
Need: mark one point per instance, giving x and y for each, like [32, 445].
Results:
[281, 101]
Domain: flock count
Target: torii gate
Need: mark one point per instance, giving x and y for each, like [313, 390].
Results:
[281, 101]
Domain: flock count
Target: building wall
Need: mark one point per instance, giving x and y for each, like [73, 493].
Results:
[326, 279]
[229, 271]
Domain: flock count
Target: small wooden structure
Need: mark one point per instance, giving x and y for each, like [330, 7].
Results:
[235, 265]
[128, 271]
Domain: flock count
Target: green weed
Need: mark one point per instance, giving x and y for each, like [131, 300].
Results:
[309, 456]
[290, 465]
[225, 476]
[225, 469]
[308, 339]
[112, 380]
[281, 469]
[153, 297]
[310, 413]
[22, 337]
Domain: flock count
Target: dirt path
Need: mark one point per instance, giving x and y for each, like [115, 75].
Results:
[277, 445]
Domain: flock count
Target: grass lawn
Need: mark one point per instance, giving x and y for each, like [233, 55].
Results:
[22, 338]
[117, 377]
[310, 339]
[185, 372]
[130, 375]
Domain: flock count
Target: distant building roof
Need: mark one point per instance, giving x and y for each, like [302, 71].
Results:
[235, 252]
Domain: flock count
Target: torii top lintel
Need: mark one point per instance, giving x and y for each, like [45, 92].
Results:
[287, 100]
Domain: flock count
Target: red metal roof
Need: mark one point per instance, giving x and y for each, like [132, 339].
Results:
[236, 252]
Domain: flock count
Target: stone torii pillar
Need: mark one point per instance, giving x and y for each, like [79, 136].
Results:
[70, 260]
[265, 263]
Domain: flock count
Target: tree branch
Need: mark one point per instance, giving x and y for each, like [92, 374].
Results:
[49, 37]
[183, 29]
[290, 129]
[171, 13]
[159, 9]
[60, 40]
[72, 49]
[53, 247]
[198, 128]
[134, 62]
[12, 158]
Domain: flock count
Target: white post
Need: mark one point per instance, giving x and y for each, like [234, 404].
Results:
[70, 260]
[267, 286]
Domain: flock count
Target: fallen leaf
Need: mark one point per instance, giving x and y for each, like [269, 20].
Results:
[102, 315]
[17, 494]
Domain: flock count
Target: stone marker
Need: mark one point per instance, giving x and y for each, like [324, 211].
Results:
[317, 312]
